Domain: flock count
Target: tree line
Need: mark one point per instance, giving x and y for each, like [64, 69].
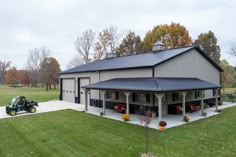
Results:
[91, 47]
[41, 70]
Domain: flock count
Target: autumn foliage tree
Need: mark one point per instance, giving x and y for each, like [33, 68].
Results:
[12, 77]
[173, 36]
[25, 78]
[209, 43]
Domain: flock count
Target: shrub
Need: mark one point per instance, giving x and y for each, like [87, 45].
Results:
[125, 117]
[187, 118]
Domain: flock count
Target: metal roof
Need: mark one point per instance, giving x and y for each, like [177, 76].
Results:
[160, 84]
[148, 59]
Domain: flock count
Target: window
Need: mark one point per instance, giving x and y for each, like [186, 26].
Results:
[112, 95]
[175, 97]
[197, 94]
[141, 97]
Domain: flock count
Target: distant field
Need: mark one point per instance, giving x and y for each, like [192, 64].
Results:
[230, 90]
[36, 94]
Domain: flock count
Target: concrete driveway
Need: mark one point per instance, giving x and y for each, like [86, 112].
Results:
[45, 107]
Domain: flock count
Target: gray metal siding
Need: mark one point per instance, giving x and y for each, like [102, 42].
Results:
[129, 73]
[191, 64]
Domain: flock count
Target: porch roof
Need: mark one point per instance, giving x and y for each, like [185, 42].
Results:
[158, 84]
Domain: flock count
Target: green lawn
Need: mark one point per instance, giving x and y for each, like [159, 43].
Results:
[36, 94]
[71, 133]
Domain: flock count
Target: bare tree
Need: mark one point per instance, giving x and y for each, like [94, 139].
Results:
[145, 118]
[35, 58]
[84, 43]
[76, 61]
[233, 49]
[107, 42]
[4, 65]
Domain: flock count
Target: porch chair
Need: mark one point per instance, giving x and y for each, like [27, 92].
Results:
[120, 108]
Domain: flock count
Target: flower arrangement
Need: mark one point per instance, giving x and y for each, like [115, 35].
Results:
[162, 125]
[187, 118]
[125, 117]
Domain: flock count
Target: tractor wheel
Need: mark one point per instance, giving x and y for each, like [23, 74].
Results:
[32, 109]
[12, 112]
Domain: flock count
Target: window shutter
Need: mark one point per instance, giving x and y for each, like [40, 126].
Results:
[117, 96]
[133, 97]
[173, 96]
[148, 98]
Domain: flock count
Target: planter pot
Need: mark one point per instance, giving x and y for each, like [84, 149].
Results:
[161, 128]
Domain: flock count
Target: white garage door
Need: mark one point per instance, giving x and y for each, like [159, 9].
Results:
[83, 82]
[68, 90]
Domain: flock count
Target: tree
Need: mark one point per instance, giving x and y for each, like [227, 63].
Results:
[131, 44]
[145, 118]
[12, 76]
[107, 42]
[173, 36]
[84, 43]
[233, 49]
[25, 78]
[35, 58]
[208, 43]
[227, 78]
[4, 65]
[75, 62]
[49, 72]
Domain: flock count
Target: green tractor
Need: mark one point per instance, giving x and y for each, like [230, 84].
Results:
[20, 103]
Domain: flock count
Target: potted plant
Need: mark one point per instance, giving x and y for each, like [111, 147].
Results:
[187, 118]
[125, 117]
[162, 125]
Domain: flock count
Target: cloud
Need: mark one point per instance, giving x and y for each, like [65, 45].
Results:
[56, 23]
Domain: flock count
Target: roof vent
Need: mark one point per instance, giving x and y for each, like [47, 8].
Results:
[158, 46]
[111, 55]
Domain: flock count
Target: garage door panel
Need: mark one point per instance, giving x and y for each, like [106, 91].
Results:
[68, 90]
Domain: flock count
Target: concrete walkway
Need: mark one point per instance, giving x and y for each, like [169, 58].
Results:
[172, 120]
[45, 107]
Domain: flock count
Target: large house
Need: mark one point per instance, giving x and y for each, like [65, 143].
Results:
[159, 79]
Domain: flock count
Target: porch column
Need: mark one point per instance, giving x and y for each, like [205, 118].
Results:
[159, 97]
[127, 102]
[202, 102]
[183, 103]
[103, 102]
[216, 95]
[86, 99]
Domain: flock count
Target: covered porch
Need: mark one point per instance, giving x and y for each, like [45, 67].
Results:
[172, 120]
[159, 88]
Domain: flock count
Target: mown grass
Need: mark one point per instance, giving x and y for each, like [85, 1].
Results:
[36, 94]
[71, 133]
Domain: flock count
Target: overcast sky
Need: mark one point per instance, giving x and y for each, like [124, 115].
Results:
[55, 24]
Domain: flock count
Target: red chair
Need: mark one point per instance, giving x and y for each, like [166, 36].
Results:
[178, 109]
[120, 108]
[191, 108]
[211, 103]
